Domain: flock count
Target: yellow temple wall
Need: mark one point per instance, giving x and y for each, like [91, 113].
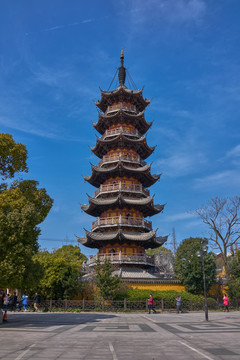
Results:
[124, 248]
[125, 179]
[157, 286]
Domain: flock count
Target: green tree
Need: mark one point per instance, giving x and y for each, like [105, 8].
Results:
[188, 267]
[107, 284]
[61, 272]
[13, 157]
[233, 272]
[23, 206]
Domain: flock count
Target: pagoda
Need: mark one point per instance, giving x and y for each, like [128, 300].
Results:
[122, 201]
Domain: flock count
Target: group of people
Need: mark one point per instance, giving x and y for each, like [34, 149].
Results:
[151, 304]
[12, 303]
[179, 302]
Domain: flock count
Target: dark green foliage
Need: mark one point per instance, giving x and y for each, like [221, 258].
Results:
[23, 206]
[61, 272]
[233, 273]
[170, 295]
[13, 157]
[107, 284]
[188, 267]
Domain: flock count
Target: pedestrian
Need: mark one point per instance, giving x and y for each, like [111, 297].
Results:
[225, 303]
[1, 298]
[25, 302]
[6, 301]
[12, 302]
[178, 303]
[150, 305]
[36, 302]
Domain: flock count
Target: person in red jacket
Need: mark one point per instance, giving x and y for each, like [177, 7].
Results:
[150, 305]
[225, 302]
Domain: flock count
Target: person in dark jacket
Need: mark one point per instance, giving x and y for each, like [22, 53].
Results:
[12, 302]
[36, 302]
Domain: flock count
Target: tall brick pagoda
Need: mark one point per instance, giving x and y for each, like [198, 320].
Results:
[122, 201]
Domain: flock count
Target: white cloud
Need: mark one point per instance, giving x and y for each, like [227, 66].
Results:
[181, 163]
[58, 27]
[169, 10]
[226, 178]
[235, 152]
[179, 217]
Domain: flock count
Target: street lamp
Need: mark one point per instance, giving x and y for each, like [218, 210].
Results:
[201, 253]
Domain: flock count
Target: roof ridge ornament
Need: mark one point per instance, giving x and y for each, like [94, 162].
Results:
[122, 70]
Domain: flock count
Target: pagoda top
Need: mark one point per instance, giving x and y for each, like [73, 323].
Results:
[122, 93]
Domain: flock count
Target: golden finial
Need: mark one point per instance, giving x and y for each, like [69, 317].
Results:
[121, 70]
[122, 57]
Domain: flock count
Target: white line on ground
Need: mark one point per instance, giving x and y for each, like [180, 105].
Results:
[112, 351]
[193, 349]
[22, 354]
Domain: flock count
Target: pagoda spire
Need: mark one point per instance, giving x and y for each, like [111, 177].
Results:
[122, 70]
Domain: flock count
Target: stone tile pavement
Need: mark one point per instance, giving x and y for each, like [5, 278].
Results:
[112, 336]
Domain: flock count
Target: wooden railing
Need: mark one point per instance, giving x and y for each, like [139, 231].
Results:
[121, 186]
[126, 157]
[123, 258]
[121, 130]
[122, 220]
[125, 107]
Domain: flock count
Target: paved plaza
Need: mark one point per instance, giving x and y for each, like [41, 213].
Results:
[111, 336]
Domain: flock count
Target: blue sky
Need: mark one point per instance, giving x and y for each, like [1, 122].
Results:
[54, 56]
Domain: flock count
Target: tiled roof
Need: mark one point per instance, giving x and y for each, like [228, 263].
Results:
[145, 205]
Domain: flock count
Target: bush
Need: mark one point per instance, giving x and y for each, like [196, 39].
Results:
[170, 295]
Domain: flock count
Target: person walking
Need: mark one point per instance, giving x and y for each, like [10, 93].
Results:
[225, 303]
[25, 302]
[6, 301]
[178, 303]
[36, 302]
[12, 302]
[150, 305]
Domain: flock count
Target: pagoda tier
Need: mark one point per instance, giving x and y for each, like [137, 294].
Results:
[122, 95]
[122, 221]
[99, 239]
[120, 141]
[121, 187]
[145, 205]
[105, 121]
[142, 174]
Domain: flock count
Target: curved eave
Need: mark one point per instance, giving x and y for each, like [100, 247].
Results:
[119, 94]
[137, 120]
[140, 145]
[145, 205]
[99, 175]
[97, 240]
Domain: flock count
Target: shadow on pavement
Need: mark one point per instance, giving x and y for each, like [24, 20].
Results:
[15, 320]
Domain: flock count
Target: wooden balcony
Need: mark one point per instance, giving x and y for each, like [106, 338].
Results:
[124, 157]
[122, 221]
[119, 258]
[121, 186]
[124, 107]
[121, 130]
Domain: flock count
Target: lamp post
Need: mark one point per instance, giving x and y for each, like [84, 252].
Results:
[201, 253]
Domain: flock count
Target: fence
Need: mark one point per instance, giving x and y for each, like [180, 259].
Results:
[126, 305]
